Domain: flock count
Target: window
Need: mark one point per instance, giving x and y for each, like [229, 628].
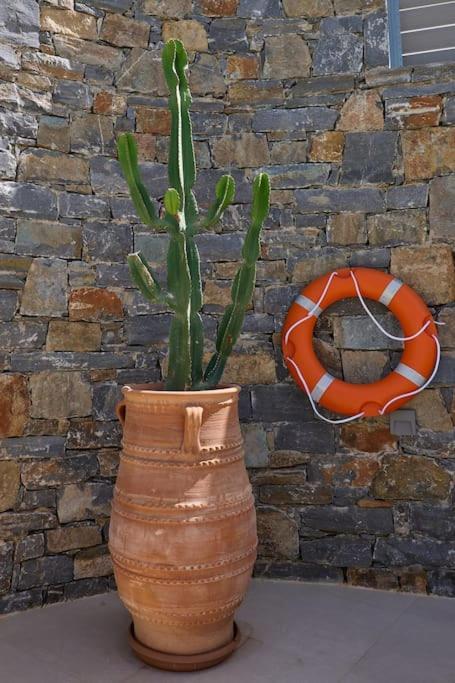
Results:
[421, 31]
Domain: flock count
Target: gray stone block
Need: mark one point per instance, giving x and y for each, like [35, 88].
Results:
[29, 548]
[109, 242]
[401, 552]
[430, 520]
[280, 403]
[105, 398]
[359, 332]
[297, 175]
[339, 49]
[376, 39]
[45, 571]
[294, 120]
[229, 34]
[147, 329]
[407, 197]
[339, 551]
[224, 247]
[369, 157]
[348, 520]
[85, 587]
[45, 238]
[22, 334]
[27, 199]
[32, 447]
[72, 94]
[333, 200]
[298, 571]
[68, 360]
[8, 304]
[442, 582]
[21, 600]
[18, 125]
[310, 437]
[19, 22]
[75, 205]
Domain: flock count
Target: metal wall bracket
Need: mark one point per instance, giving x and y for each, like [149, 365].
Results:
[403, 423]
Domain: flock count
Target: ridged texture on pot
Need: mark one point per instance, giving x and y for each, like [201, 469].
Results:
[183, 526]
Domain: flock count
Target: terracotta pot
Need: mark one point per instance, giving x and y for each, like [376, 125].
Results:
[183, 527]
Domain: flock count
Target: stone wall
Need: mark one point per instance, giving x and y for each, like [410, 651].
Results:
[360, 159]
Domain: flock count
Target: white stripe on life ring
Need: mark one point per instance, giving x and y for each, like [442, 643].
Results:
[321, 387]
[410, 374]
[389, 292]
[308, 305]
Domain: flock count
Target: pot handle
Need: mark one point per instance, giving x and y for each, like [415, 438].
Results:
[192, 430]
[120, 411]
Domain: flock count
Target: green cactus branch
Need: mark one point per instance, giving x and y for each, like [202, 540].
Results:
[181, 220]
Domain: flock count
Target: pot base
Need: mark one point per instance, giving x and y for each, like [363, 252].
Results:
[170, 662]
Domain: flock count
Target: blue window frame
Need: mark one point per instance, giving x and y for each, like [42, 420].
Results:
[421, 31]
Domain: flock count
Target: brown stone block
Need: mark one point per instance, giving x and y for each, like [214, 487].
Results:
[9, 484]
[346, 228]
[428, 269]
[190, 32]
[327, 146]
[306, 494]
[73, 336]
[60, 394]
[384, 579]
[286, 56]
[53, 66]
[278, 534]
[109, 103]
[258, 368]
[54, 133]
[157, 121]
[364, 367]
[146, 144]
[255, 92]
[93, 304]
[368, 437]
[14, 405]
[93, 562]
[72, 538]
[124, 32]
[412, 477]
[361, 112]
[88, 52]
[54, 167]
[431, 411]
[167, 8]
[417, 112]
[308, 8]
[219, 8]
[246, 150]
[286, 152]
[241, 67]
[68, 22]
[428, 152]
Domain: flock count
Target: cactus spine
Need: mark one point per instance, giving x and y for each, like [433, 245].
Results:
[182, 221]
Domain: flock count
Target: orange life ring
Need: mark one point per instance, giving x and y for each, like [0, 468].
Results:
[417, 363]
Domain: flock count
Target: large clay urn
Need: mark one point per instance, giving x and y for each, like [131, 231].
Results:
[183, 527]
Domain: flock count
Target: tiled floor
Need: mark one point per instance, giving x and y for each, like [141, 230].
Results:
[299, 633]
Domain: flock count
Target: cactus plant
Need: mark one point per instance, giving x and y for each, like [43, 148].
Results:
[182, 220]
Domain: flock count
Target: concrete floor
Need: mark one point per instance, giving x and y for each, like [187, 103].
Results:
[299, 633]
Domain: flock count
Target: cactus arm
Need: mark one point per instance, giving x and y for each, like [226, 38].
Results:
[127, 155]
[224, 192]
[179, 284]
[196, 328]
[148, 285]
[243, 285]
[181, 165]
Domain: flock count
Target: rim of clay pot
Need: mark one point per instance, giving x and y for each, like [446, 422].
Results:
[157, 389]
